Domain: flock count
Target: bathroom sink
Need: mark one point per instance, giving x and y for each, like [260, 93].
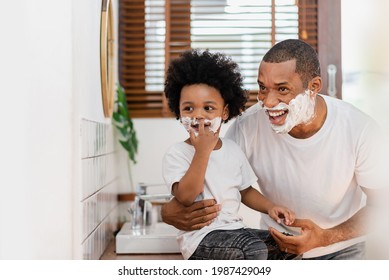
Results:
[157, 238]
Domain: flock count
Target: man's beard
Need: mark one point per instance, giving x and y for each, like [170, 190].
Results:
[300, 110]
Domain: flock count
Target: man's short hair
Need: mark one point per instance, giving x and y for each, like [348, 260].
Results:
[307, 61]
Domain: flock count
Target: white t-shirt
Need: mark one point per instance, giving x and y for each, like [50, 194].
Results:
[318, 177]
[228, 172]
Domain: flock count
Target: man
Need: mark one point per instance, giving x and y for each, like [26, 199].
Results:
[311, 153]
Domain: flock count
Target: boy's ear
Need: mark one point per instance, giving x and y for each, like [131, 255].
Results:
[226, 113]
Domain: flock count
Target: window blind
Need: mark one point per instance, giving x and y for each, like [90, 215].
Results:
[152, 32]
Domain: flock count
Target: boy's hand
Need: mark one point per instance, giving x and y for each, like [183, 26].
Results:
[278, 213]
[205, 140]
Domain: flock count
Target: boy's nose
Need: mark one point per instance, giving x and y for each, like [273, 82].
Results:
[198, 114]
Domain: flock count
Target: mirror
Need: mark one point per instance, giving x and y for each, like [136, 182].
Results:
[107, 58]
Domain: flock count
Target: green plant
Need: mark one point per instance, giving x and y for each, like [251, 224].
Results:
[123, 122]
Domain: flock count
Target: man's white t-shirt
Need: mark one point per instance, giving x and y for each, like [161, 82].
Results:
[228, 172]
[318, 178]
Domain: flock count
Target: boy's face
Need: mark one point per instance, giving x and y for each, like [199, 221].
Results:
[202, 102]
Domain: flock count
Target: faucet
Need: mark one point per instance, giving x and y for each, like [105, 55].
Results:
[141, 209]
[138, 208]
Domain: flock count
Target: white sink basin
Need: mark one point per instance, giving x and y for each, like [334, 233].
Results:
[158, 238]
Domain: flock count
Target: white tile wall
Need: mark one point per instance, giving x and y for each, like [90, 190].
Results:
[99, 187]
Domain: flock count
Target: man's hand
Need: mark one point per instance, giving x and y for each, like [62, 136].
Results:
[312, 236]
[196, 216]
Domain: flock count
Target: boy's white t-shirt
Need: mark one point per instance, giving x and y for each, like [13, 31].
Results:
[318, 178]
[228, 172]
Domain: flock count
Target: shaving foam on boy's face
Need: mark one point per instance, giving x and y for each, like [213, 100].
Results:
[300, 110]
[213, 124]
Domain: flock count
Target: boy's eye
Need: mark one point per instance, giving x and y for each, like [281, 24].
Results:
[208, 108]
[188, 109]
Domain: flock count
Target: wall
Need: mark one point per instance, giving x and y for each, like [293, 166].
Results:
[36, 216]
[60, 162]
[99, 158]
[365, 56]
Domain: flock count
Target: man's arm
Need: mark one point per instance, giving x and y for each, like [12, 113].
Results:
[313, 236]
[193, 217]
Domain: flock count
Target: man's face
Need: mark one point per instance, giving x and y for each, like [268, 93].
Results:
[281, 92]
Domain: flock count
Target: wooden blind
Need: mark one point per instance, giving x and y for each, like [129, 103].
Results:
[152, 32]
[308, 22]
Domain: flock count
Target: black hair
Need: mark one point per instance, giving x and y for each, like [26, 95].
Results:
[307, 61]
[203, 67]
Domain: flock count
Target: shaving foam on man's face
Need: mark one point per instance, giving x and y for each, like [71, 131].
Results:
[193, 123]
[300, 110]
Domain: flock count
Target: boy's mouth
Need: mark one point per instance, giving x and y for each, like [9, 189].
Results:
[197, 125]
[213, 125]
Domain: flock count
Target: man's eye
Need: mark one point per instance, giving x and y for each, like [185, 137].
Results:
[261, 88]
[283, 89]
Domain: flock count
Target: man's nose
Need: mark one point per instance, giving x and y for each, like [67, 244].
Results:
[271, 100]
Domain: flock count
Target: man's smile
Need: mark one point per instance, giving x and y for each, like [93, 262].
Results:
[277, 117]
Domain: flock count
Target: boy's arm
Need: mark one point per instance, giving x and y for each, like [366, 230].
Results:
[255, 200]
[192, 183]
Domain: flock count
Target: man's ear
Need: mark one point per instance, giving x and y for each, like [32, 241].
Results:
[315, 85]
[226, 113]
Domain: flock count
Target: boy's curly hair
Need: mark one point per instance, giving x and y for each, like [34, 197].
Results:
[203, 67]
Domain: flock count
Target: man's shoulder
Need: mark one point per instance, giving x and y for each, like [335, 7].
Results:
[348, 110]
[230, 144]
[232, 148]
[251, 114]
[246, 125]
